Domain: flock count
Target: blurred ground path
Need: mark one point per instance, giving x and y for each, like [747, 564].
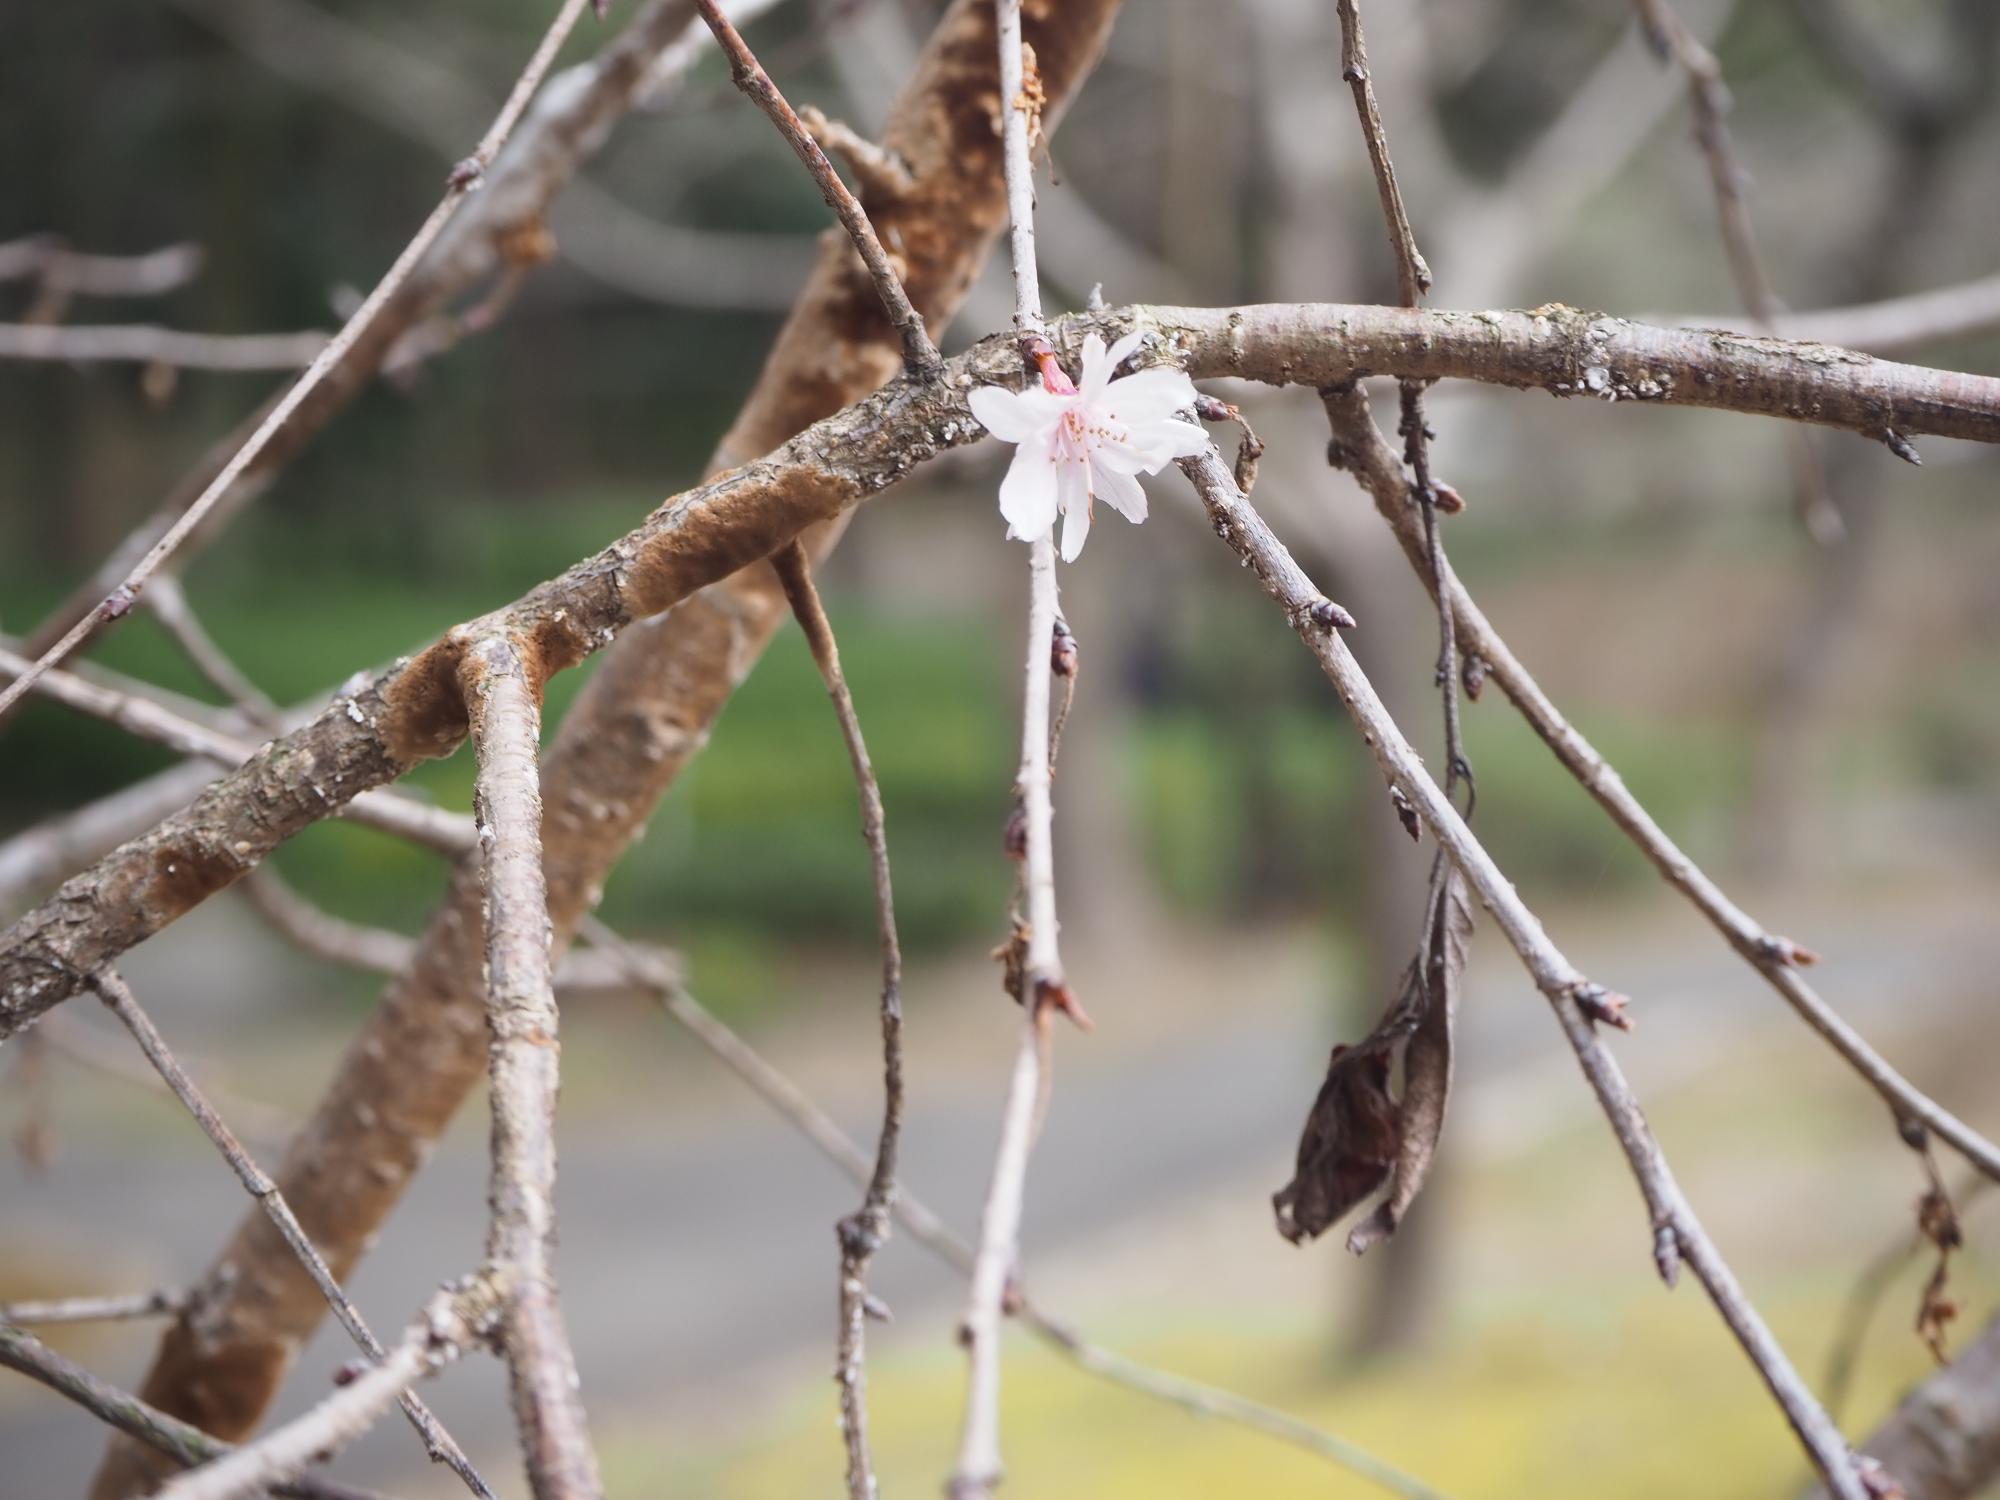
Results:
[697, 1253]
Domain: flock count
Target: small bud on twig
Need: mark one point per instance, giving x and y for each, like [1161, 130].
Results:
[119, 605]
[1406, 813]
[465, 174]
[1601, 1006]
[1473, 676]
[1063, 651]
[1901, 446]
[1330, 616]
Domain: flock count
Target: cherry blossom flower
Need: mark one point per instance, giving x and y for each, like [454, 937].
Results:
[1075, 445]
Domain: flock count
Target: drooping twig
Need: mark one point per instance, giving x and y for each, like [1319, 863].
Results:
[118, 996]
[412, 711]
[919, 353]
[169, 604]
[1363, 449]
[94, 1309]
[180, 1441]
[464, 177]
[1413, 280]
[1677, 1235]
[521, 1013]
[924, 1226]
[862, 1233]
[446, 1328]
[977, 1468]
[1708, 96]
[146, 344]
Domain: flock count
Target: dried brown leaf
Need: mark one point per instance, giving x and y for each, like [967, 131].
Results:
[1427, 1063]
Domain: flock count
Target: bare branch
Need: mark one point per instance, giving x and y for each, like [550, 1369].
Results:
[446, 1328]
[919, 353]
[1362, 449]
[1413, 277]
[521, 1012]
[1677, 1235]
[180, 1441]
[330, 360]
[1708, 96]
[117, 995]
[145, 344]
[414, 712]
[94, 1309]
[169, 604]
[49, 260]
[977, 1468]
[865, 1231]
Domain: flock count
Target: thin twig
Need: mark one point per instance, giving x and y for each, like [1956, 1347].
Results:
[118, 996]
[924, 1226]
[447, 1327]
[180, 1441]
[865, 1231]
[1413, 280]
[94, 1048]
[1959, 311]
[162, 1303]
[1677, 1234]
[977, 1468]
[919, 353]
[169, 604]
[521, 1013]
[1363, 449]
[1708, 97]
[146, 344]
[464, 177]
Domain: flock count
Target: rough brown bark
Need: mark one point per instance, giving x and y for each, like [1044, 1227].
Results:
[647, 711]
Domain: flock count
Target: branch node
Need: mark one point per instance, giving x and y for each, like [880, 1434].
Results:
[1602, 1007]
[1901, 446]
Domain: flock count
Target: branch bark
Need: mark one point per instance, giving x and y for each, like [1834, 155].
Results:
[521, 1013]
[1943, 1441]
[414, 711]
[641, 718]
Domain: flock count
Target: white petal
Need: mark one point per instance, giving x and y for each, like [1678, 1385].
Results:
[1076, 527]
[1122, 493]
[1150, 394]
[1009, 415]
[1028, 493]
[1073, 487]
[1166, 441]
[1096, 369]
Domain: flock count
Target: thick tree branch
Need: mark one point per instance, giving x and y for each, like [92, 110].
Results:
[1677, 1235]
[1361, 448]
[639, 720]
[414, 711]
[521, 1012]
